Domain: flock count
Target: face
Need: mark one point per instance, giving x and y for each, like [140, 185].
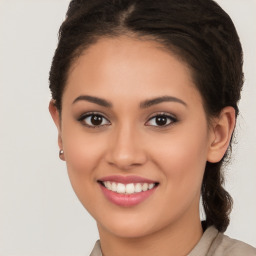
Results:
[135, 137]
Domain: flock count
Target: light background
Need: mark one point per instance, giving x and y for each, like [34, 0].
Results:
[39, 212]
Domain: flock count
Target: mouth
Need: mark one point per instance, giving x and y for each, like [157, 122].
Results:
[127, 190]
[130, 188]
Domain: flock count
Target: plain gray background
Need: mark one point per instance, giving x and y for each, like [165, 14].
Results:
[39, 212]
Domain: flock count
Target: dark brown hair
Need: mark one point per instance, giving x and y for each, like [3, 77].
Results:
[197, 31]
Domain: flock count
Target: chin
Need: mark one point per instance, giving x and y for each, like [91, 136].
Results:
[126, 231]
[130, 225]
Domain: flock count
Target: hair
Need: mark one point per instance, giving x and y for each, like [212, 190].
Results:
[197, 31]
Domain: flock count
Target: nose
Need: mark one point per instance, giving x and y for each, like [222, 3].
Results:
[125, 149]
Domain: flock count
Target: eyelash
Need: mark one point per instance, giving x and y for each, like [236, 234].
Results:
[167, 116]
[90, 114]
[171, 120]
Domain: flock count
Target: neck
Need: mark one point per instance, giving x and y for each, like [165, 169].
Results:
[174, 240]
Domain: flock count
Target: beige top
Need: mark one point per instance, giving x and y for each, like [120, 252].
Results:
[212, 243]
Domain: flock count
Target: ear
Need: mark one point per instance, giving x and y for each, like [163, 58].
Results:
[222, 129]
[57, 120]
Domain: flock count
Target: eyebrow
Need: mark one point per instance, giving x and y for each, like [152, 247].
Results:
[93, 99]
[158, 100]
[144, 104]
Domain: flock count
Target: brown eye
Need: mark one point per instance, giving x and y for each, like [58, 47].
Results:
[161, 120]
[94, 120]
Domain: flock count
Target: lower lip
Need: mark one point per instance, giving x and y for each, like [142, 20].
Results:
[127, 200]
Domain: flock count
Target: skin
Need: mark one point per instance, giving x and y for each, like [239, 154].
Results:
[126, 72]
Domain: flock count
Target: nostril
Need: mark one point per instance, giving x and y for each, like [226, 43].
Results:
[126, 160]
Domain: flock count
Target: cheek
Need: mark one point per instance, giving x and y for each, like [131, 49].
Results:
[82, 150]
[82, 154]
[182, 158]
[182, 162]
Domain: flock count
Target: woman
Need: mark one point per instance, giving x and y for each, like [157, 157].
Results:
[144, 96]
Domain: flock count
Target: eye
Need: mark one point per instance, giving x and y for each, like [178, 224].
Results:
[161, 120]
[93, 120]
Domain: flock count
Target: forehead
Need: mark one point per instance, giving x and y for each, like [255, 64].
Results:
[126, 66]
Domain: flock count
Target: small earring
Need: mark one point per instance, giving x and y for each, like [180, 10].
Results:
[61, 152]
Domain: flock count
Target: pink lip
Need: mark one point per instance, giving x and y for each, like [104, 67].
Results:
[127, 179]
[126, 200]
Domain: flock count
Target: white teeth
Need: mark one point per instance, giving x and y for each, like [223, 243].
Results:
[120, 188]
[145, 187]
[138, 188]
[130, 188]
[108, 185]
[150, 186]
[114, 187]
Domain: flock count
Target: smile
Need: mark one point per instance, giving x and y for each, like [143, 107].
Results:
[130, 188]
[127, 191]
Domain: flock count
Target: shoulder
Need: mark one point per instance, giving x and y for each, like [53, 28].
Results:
[96, 250]
[224, 245]
[214, 243]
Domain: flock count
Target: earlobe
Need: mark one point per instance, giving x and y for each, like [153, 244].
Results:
[56, 118]
[222, 130]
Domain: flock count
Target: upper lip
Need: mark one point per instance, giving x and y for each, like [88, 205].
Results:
[126, 179]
